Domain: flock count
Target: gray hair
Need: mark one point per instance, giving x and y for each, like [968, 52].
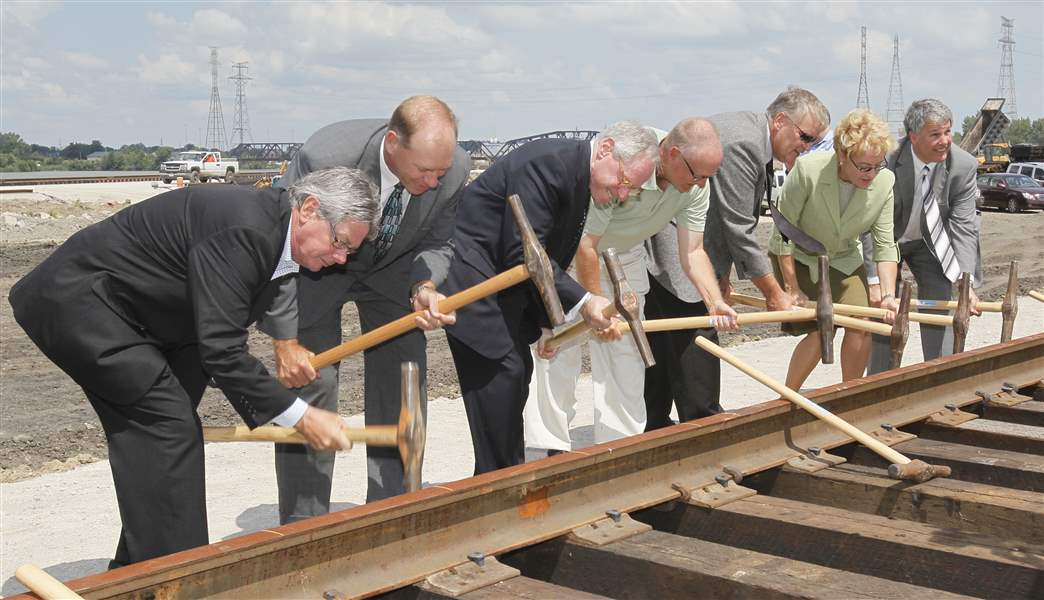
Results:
[694, 133]
[343, 194]
[797, 102]
[631, 141]
[926, 111]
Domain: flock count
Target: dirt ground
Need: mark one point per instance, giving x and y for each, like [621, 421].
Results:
[46, 424]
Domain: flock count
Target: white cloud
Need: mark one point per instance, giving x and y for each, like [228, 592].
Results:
[84, 60]
[26, 14]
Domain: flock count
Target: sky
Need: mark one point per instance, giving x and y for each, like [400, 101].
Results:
[128, 72]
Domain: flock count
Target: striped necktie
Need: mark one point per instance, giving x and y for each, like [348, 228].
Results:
[933, 222]
[389, 225]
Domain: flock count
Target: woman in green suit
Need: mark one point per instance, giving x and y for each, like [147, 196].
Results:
[835, 197]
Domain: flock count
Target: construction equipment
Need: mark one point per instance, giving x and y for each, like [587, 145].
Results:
[989, 128]
[993, 158]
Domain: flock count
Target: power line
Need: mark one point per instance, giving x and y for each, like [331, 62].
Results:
[1006, 80]
[896, 107]
[216, 120]
[240, 118]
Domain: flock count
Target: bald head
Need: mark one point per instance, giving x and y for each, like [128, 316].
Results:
[690, 154]
[420, 143]
[418, 113]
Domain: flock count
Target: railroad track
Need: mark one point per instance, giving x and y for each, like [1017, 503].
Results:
[246, 177]
[631, 518]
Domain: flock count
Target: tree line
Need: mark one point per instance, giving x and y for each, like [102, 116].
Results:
[18, 155]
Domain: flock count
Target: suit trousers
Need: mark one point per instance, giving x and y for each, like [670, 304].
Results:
[684, 374]
[617, 376]
[303, 474]
[156, 455]
[494, 391]
[932, 284]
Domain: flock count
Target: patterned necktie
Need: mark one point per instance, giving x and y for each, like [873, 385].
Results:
[933, 221]
[389, 225]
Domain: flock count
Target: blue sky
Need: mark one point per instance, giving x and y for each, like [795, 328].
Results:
[138, 71]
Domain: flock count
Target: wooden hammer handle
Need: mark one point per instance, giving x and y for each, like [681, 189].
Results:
[1036, 295]
[870, 311]
[863, 325]
[578, 329]
[43, 585]
[399, 326]
[374, 435]
[818, 411]
[951, 305]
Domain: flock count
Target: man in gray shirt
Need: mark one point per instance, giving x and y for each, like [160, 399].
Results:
[685, 374]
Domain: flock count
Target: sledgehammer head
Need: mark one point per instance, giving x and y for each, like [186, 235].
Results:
[413, 431]
[1010, 306]
[963, 312]
[537, 263]
[825, 312]
[917, 470]
[900, 329]
[626, 302]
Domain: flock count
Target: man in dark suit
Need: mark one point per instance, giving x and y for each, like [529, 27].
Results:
[420, 170]
[936, 223]
[555, 179]
[685, 374]
[143, 308]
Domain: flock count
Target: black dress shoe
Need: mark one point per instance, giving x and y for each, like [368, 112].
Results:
[553, 452]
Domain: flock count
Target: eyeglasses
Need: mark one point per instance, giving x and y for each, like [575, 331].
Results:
[339, 244]
[806, 138]
[870, 168]
[695, 178]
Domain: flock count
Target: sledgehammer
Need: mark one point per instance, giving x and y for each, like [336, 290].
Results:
[901, 467]
[409, 435]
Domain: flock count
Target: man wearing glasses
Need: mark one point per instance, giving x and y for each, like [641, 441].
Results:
[675, 193]
[684, 374]
[144, 308]
[420, 171]
[936, 224]
[555, 180]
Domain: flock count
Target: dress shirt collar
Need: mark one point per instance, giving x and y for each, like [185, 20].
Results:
[286, 264]
[919, 165]
[388, 179]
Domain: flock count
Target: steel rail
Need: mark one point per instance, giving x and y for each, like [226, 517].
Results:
[385, 545]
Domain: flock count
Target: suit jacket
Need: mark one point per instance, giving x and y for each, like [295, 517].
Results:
[190, 266]
[810, 200]
[422, 249]
[735, 202]
[955, 191]
[553, 180]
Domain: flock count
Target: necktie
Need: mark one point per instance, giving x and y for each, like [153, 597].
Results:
[770, 180]
[389, 225]
[933, 222]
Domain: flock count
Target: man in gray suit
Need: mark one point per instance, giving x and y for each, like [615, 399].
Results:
[684, 373]
[936, 223]
[420, 171]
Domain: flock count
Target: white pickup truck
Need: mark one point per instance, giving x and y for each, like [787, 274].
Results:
[199, 165]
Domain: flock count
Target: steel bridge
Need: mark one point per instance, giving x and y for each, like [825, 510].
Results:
[480, 150]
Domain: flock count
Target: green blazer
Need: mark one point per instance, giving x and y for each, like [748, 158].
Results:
[810, 199]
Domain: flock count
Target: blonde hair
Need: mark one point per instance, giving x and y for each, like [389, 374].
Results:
[863, 132]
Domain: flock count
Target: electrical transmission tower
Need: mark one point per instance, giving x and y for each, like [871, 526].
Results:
[1006, 81]
[240, 119]
[216, 121]
[896, 108]
[863, 98]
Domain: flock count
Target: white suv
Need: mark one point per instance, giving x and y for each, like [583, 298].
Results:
[1029, 169]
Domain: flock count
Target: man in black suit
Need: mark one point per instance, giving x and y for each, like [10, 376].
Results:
[143, 308]
[555, 179]
[418, 167]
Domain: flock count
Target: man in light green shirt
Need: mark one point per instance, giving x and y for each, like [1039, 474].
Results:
[688, 156]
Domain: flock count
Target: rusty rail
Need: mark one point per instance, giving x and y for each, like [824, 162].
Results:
[386, 545]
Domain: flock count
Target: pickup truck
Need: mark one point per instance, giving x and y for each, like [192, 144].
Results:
[199, 165]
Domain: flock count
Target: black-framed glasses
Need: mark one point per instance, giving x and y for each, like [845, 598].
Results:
[695, 178]
[871, 168]
[340, 244]
[806, 138]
